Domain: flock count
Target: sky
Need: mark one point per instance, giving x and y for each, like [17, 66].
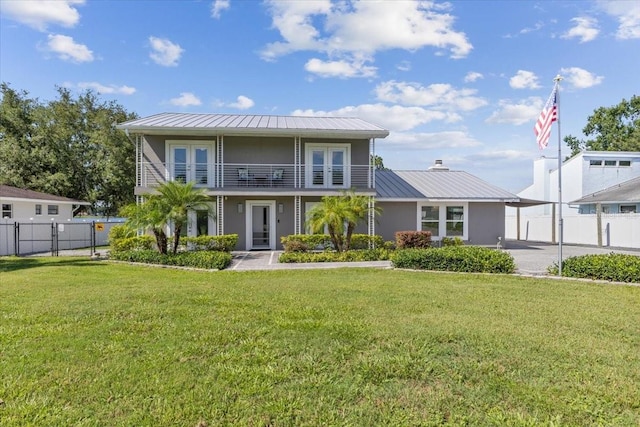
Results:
[458, 81]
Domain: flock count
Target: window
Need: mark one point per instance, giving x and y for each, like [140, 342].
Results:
[52, 210]
[328, 166]
[624, 163]
[38, 209]
[595, 162]
[455, 220]
[7, 210]
[628, 209]
[610, 162]
[430, 220]
[443, 220]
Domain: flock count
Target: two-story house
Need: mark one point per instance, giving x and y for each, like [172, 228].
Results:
[263, 172]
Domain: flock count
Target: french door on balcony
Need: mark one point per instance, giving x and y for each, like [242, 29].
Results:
[190, 163]
[327, 166]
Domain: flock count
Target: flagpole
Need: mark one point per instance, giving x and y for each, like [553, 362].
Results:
[557, 80]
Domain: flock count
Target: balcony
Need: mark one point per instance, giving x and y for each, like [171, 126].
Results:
[256, 177]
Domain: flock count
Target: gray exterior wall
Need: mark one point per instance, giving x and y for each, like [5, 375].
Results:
[235, 222]
[395, 216]
[486, 223]
[258, 150]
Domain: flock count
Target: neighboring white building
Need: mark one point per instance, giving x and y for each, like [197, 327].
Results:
[586, 173]
[26, 205]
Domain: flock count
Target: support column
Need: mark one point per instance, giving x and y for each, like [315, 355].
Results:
[599, 222]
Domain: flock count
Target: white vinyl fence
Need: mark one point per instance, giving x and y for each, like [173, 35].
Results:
[612, 230]
[23, 238]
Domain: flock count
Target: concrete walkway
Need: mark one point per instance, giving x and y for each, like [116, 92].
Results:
[268, 260]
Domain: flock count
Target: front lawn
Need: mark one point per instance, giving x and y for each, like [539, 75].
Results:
[95, 343]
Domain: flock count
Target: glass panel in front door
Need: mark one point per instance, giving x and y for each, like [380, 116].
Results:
[337, 168]
[318, 167]
[202, 223]
[180, 164]
[201, 158]
[260, 227]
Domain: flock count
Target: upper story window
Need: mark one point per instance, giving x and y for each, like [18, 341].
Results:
[52, 209]
[328, 166]
[190, 161]
[610, 162]
[7, 210]
[595, 162]
[38, 209]
[628, 209]
[624, 163]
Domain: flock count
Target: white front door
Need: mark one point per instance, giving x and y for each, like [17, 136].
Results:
[190, 163]
[261, 224]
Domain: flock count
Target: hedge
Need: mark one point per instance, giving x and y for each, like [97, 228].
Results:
[613, 267]
[413, 239]
[469, 259]
[310, 242]
[225, 243]
[379, 254]
[215, 260]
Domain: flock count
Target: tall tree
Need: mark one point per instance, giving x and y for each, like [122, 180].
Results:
[67, 147]
[615, 128]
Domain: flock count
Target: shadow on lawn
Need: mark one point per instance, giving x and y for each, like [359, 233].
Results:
[13, 263]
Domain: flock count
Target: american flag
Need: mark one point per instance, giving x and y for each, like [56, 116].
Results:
[548, 115]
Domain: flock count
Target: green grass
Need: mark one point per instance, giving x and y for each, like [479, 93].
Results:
[92, 343]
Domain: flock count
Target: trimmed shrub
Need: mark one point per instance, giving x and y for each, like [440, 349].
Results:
[213, 260]
[613, 267]
[452, 241]
[224, 243]
[468, 259]
[119, 232]
[413, 239]
[310, 242]
[135, 243]
[346, 256]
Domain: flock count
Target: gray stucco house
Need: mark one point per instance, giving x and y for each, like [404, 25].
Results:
[264, 173]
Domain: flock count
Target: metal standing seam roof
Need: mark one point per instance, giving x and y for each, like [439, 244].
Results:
[438, 185]
[627, 191]
[253, 124]
[19, 193]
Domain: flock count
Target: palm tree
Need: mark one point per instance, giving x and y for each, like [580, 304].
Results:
[178, 199]
[148, 215]
[170, 205]
[341, 215]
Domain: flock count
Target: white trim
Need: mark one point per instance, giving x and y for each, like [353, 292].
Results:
[249, 204]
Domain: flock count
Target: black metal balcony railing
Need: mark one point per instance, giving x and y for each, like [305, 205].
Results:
[255, 176]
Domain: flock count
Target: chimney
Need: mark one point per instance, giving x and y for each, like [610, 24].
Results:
[438, 166]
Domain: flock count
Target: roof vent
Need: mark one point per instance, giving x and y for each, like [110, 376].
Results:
[438, 166]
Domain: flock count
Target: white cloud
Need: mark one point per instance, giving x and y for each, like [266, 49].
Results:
[404, 66]
[428, 140]
[472, 76]
[585, 29]
[517, 113]
[186, 99]
[524, 80]
[347, 27]
[218, 6]
[164, 52]
[395, 118]
[628, 15]
[107, 89]
[67, 49]
[42, 13]
[242, 103]
[439, 95]
[579, 78]
[342, 69]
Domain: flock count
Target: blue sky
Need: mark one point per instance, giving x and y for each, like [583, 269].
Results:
[459, 81]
